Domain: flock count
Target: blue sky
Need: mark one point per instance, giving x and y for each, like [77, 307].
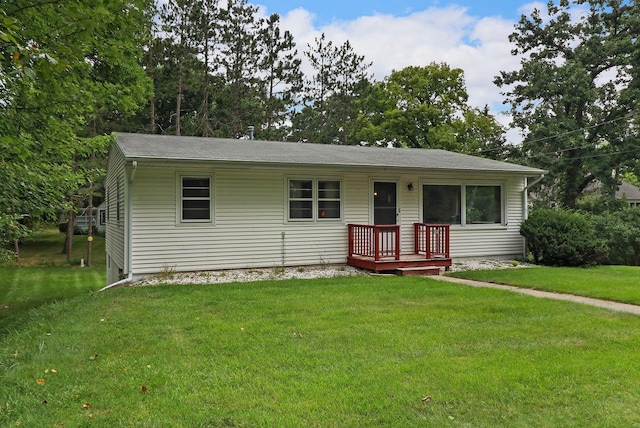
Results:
[327, 11]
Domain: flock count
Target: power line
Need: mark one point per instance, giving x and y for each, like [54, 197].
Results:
[627, 116]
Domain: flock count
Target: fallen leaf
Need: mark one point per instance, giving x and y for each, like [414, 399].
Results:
[124, 370]
[148, 366]
[44, 402]
[94, 357]
[86, 405]
[54, 371]
[241, 328]
[427, 398]
[46, 371]
[144, 389]
[40, 381]
[90, 415]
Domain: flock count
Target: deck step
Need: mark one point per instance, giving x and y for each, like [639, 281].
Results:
[414, 271]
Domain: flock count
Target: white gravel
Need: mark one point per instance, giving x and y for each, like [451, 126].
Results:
[302, 272]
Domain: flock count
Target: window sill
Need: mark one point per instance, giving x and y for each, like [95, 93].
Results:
[478, 226]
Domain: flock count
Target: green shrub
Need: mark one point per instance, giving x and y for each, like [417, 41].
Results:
[562, 238]
[621, 232]
[602, 204]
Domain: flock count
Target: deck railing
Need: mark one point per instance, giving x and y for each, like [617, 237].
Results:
[432, 240]
[377, 241]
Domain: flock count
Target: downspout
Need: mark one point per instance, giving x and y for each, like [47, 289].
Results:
[129, 277]
[122, 281]
[525, 199]
[525, 207]
[536, 181]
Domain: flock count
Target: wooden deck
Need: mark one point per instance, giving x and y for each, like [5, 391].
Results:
[377, 248]
[408, 264]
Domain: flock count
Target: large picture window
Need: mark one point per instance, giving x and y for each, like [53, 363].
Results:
[314, 199]
[462, 204]
[195, 199]
[442, 204]
[483, 204]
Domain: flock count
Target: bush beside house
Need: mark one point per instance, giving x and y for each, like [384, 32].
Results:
[557, 237]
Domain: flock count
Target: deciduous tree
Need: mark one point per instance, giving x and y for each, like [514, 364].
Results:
[577, 92]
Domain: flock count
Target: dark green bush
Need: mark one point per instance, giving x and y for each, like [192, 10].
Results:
[562, 238]
[621, 232]
[602, 204]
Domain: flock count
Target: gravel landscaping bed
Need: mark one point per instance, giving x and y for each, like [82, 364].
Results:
[302, 272]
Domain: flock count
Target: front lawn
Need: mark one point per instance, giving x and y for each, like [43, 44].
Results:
[357, 351]
[617, 283]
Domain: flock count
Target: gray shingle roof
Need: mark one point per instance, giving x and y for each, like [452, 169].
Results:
[166, 147]
[629, 191]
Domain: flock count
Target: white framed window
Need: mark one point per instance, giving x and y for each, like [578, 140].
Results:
[195, 198]
[463, 204]
[300, 199]
[483, 204]
[442, 203]
[314, 199]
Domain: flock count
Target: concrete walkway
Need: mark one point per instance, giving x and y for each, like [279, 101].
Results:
[614, 306]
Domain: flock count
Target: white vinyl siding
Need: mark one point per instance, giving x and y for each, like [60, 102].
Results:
[115, 228]
[252, 227]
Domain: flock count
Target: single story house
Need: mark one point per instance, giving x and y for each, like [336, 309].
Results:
[192, 204]
[630, 193]
[99, 219]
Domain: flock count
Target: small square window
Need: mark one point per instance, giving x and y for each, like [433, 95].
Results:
[195, 199]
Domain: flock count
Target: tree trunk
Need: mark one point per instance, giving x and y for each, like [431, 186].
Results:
[90, 226]
[179, 99]
[68, 243]
[152, 113]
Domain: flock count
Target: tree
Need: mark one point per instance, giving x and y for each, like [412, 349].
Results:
[283, 78]
[576, 94]
[52, 54]
[427, 107]
[240, 55]
[331, 93]
[179, 17]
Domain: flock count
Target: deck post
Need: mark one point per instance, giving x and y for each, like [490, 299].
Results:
[397, 232]
[448, 241]
[350, 228]
[376, 243]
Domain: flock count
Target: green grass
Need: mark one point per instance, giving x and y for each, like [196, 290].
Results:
[617, 283]
[45, 249]
[359, 351]
[43, 275]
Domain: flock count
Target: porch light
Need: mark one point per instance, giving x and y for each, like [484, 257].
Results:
[410, 187]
